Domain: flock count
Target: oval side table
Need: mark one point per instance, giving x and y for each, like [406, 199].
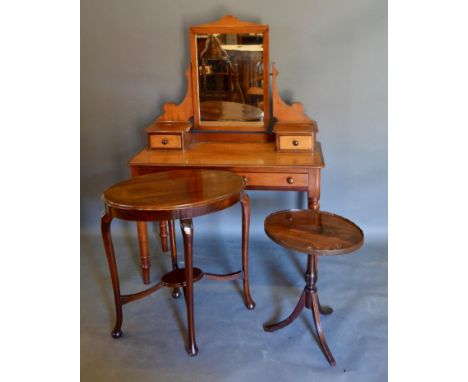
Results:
[317, 234]
[170, 195]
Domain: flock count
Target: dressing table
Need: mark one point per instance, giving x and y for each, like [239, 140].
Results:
[231, 120]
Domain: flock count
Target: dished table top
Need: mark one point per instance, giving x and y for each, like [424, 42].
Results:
[314, 232]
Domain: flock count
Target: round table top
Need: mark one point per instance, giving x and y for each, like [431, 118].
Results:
[229, 111]
[314, 232]
[193, 191]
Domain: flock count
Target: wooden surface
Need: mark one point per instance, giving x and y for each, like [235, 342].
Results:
[229, 111]
[295, 142]
[168, 127]
[168, 195]
[167, 141]
[247, 155]
[174, 191]
[314, 232]
[306, 128]
[176, 278]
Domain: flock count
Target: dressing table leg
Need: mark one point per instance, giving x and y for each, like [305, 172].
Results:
[187, 233]
[313, 191]
[172, 237]
[245, 202]
[163, 235]
[144, 251]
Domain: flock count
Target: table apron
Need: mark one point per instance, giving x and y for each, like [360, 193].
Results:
[291, 179]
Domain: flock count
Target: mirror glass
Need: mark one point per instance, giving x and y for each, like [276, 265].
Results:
[230, 77]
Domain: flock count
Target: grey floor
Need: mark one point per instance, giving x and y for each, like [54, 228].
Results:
[232, 345]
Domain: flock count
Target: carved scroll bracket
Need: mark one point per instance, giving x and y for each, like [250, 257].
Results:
[283, 112]
[182, 112]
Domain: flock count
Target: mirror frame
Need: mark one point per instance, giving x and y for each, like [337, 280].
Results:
[230, 24]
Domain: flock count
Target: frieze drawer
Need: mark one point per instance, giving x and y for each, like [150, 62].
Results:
[277, 180]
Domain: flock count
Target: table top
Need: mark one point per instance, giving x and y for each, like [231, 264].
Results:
[245, 155]
[194, 191]
[314, 232]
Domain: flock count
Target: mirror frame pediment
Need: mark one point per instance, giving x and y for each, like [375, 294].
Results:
[229, 25]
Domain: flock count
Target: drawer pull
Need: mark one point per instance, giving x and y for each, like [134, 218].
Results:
[164, 141]
[245, 179]
[295, 142]
[290, 180]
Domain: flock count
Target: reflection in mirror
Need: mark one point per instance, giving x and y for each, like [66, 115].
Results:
[230, 77]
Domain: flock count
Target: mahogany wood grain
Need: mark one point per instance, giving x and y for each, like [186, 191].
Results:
[230, 155]
[110, 254]
[316, 234]
[165, 196]
[175, 265]
[176, 278]
[144, 252]
[226, 277]
[265, 168]
[245, 150]
[283, 180]
[173, 194]
[163, 235]
[245, 202]
[186, 226]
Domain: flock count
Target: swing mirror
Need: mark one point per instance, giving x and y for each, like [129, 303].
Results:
[230, 75]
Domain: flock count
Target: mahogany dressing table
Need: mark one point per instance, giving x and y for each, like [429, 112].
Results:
[225, 122]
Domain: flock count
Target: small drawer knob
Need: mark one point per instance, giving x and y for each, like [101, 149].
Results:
[290, 180]
[164, 141]
[295, 142]
[245, 179]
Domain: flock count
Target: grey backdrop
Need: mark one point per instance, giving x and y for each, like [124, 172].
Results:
[332, 56]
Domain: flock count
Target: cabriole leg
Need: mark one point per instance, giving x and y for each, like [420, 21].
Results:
[109, 248]
[245, 202]
[187, 233]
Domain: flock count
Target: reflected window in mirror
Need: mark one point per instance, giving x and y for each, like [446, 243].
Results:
[230, 77]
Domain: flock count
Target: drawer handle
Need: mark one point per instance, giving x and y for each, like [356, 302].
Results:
[290, 180]
[295, 142]
[164, 141]
[245, 179]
